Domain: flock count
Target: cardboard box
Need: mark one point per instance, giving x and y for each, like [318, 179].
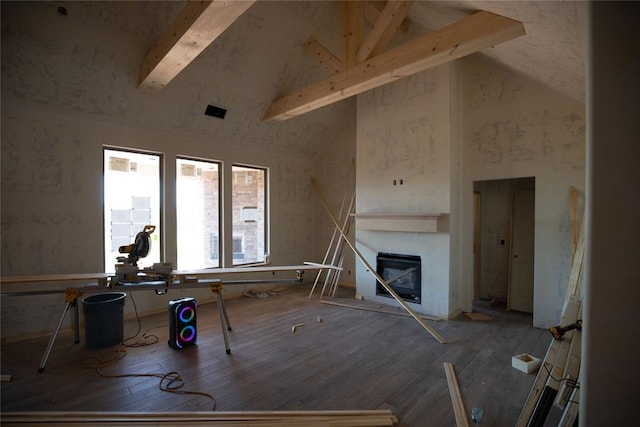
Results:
[526, 363]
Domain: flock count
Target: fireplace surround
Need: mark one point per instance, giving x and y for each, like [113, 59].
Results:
[403, 273]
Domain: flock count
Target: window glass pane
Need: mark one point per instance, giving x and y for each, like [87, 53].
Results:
[197, 211]
[131, 201]
[249, 214]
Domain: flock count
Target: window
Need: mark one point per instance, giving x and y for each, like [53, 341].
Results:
[131, 201]
[249, 192]
[198, 213]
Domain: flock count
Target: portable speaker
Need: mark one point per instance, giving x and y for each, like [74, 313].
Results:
[182, 323]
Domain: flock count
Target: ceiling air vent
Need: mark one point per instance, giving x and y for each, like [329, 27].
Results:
[214, 111]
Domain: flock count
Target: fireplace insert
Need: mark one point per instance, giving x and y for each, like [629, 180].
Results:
[402, 273]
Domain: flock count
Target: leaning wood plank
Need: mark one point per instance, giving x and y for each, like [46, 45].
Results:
[377, 310]
[547, 365]
[573, 218]
[558, 370]
[573, 288]
[371, 269]
[456, 397]
[349, 180]
[197, 26]
[571, 410]
[469, 35]
[567, 386]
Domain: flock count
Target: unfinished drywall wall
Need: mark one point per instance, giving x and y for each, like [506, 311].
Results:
[403, 166]
[446, 128]
[69, 88]
[514, 128]
[335, 171]
[52, 205]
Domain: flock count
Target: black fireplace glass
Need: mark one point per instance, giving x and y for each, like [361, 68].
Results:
[402, 273]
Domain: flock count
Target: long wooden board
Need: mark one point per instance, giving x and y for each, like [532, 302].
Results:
[87, 277]
[531, 405]
[241, 418]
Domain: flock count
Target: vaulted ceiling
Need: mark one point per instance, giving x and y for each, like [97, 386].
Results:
[259, 54]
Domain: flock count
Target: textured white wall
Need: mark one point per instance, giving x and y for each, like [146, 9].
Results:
[514, 128]
[69, 87]
[440, 131]
[403, 133]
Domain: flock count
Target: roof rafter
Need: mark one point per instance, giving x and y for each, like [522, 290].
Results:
[197, 26]
[469, 35]
[383, 29]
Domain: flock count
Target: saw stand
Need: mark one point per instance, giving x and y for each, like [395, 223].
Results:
[71, 296]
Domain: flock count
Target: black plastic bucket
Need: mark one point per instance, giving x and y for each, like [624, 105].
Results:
[103, 319]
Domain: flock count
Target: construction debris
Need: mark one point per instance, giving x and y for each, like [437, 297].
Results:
[478, 316]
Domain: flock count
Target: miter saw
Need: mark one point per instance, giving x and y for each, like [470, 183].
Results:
[127, 270]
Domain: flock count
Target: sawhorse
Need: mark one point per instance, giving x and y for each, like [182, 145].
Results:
[71, 296]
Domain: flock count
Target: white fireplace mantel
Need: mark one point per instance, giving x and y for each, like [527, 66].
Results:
[403, 222]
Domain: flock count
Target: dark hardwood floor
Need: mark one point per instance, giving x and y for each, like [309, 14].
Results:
[352, 359]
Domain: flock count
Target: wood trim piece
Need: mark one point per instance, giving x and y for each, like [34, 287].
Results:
[456, 397]
[324, 56]
[197, 26]
[408, 222]
[383, 29]
[471, 34]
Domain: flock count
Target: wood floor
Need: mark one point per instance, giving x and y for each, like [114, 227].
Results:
[351, 359]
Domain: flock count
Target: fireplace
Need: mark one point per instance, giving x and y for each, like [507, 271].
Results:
[402, 273]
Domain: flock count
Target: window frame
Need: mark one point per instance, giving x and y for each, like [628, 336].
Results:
[219, 201]
[161, 192]
[266, 225]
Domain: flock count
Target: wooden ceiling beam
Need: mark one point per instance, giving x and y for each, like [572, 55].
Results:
[197, 26]
[466, 36]
[372, 11]
[324, 56]
[352, 30]
[383, 29]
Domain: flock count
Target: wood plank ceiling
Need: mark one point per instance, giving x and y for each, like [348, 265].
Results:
[363, 64]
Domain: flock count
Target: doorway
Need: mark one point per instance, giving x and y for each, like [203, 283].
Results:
[504, 212]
